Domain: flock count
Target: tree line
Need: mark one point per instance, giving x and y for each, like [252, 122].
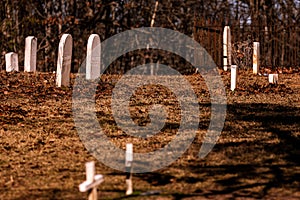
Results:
[49, 19]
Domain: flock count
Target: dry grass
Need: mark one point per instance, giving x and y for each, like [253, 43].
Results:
[257, 155]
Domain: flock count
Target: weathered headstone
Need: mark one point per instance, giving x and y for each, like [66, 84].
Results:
[273, 78]
[233, 77]
[30, 54]
[64, 61]
[128, 168]
[92, 181]
[256, 57]
[12, 62]
[93, 58]
[226, 48]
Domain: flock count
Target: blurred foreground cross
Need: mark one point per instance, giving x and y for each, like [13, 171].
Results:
[92, 181]
[128, 168]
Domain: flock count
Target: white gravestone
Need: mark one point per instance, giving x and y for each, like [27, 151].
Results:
[93, 58]
[152, 69]
[92, 181]
[64, 61]
[256, 57]
[12, 62]
[30, 54]
[273, 78]
[234, 72]
[128, 168]
[226, 48]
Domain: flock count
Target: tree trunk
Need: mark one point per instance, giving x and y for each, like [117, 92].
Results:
[48, 31]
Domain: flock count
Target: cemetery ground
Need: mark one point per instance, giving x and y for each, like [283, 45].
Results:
[257, 155]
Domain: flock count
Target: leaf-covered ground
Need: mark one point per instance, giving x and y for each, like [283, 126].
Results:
[257, 155]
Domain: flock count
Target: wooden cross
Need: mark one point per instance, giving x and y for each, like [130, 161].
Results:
[128, 168]
[154, 14]
[92, 181]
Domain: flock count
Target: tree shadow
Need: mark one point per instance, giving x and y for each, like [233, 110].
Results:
[263, 155]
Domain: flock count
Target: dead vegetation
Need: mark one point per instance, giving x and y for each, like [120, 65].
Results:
[256, 157]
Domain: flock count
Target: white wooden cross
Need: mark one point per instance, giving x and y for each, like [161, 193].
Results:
[92, 181]
[128, 168]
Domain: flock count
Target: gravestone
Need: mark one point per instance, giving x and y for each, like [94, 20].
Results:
[12, 62]
[30, 54]
[226, 48]
[128, 168]
[92, 181]
[273, 78]
[93, 58]
[64, 61]
[233, 77]
[256, 57]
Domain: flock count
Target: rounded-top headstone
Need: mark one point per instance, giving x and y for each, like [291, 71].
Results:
[64, 61]
[93, 58]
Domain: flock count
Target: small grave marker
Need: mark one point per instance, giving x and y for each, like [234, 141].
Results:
[128, 168]
[152, 66]
[64, 61]
[93, 58]
[256, 57]
[12, 62]
[92, 181]
[154, 14]
[273, 78]
[233, 77]
[226, 48]
[30, 54]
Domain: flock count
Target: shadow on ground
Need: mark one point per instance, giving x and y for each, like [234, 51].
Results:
[260, 148]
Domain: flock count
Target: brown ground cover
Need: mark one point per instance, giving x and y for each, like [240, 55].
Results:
[257, 155]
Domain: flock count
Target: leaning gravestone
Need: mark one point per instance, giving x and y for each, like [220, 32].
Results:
[12, 62]
[93, 58]
[30, 54]
[226, 48]
[64, 61]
